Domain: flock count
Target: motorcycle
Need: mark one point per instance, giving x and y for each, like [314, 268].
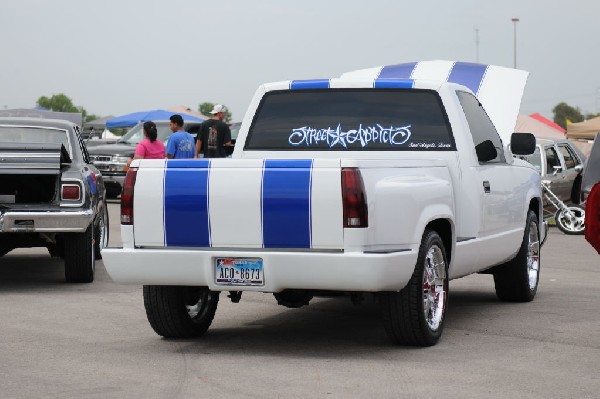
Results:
[570, 219]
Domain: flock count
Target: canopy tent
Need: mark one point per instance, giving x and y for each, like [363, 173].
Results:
[74, 117]
[183, 109]
[548, 122]
[132, 119]
[529, 124]
[586, 130]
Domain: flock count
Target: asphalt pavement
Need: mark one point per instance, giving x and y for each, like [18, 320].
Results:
[60, 340]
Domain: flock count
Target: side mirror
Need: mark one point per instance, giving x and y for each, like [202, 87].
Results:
[486, 151]
[522, 143]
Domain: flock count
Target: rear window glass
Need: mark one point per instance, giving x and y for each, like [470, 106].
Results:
[38, 135]
[351, 120]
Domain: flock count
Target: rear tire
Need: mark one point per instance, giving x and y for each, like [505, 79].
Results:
[178, 311]
[80, 261]
[517, 280]
[101, 233]
[415, 315]
[4, 251]
[571, 226]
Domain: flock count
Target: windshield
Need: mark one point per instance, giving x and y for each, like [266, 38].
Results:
[351, 120]
[136, 134]
[37, 135]
[235, 129]
[535, 159]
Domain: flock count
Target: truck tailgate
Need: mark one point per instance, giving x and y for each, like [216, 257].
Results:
[239, 203]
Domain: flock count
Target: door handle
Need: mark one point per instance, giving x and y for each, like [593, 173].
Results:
[486, 186]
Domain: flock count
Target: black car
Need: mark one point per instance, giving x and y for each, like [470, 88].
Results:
[111, 159]
[50, 194]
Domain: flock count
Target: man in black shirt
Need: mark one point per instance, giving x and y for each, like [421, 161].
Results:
[213, 135]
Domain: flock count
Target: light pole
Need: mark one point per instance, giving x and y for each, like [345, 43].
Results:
[515, 20]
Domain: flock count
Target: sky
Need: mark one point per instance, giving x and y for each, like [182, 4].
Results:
[119, 56]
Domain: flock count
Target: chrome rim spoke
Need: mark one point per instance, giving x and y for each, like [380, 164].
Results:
[434, 287]
[533, 256]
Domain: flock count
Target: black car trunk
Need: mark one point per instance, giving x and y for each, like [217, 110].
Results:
[28, 188]
[30, 173]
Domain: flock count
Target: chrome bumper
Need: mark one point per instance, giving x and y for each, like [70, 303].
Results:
[46, 222]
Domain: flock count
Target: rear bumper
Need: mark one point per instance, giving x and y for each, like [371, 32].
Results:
[282, 270]
[46, 222]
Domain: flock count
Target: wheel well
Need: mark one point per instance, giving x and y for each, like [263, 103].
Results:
[534, 205]
[444, 229]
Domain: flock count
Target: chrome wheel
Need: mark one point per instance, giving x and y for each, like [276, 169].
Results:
[533, 256]
[199, 304]
[434, 287]
[103, 230]
[571, 220]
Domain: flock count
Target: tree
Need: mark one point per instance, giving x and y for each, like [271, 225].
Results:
[563, 112]
[205, 109]
[61, 103]
[58, 102]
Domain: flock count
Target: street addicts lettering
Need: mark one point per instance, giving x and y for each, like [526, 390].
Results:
[365, 135]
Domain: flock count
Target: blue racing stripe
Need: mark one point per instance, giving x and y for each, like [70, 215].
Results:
[468, 74]
[286, 195]
[309, 84]
[186, 216]
[393, 84]
[399, 71]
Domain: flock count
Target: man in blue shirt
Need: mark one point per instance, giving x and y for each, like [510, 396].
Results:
[181, 143]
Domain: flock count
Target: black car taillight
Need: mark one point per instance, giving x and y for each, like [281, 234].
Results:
[354, 199]
[71, 192]
[127, 197]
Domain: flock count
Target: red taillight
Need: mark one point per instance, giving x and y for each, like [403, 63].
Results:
[70, 192]
[127, 197]
[592, 218]
[354, 199]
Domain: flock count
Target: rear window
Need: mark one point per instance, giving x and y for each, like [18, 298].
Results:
[351, 120]
[38, 135]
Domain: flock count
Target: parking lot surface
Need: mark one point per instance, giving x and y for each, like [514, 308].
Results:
[60, 340]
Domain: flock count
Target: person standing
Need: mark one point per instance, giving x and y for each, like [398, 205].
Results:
[214, 135]
[181, 143]
[150, 147]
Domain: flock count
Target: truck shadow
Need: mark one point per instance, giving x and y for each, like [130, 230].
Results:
[330, 328]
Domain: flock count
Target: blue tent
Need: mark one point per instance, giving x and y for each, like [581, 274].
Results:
[143, 116]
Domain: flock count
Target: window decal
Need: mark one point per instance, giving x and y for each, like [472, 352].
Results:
[308, 136]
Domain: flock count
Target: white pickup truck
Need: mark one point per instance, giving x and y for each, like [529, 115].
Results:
[379, 182]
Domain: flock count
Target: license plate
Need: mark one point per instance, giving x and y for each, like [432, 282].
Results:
[239, 271]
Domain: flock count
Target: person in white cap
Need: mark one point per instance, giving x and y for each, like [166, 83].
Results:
[214, 135]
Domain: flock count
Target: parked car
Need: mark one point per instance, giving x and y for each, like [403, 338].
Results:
[560, 164]
[111, 159]
[590, 193]
[51, 195]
